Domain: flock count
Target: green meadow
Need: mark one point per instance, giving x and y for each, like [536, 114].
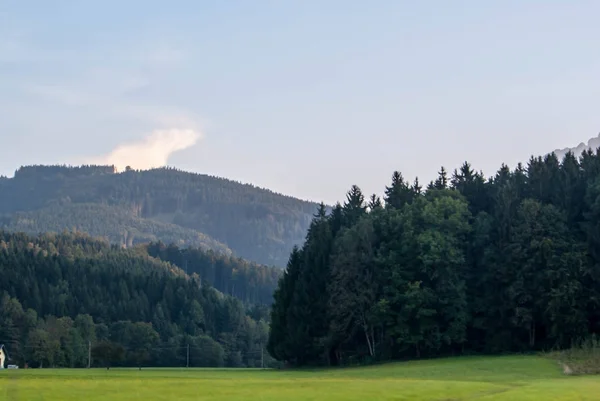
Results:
[464, 378]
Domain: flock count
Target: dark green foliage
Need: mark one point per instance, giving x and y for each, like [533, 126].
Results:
[355, 288]
[108, 353]
[511, 263]
[399, 193]
[158, 205]
[114, 223]
[247, 281]
[442, 181]
[279, 342]
[473, 187]
[61, 293]
[375, 203]
[307, 319]
[354, 207]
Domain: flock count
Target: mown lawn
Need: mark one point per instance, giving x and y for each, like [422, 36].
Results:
[467, 378]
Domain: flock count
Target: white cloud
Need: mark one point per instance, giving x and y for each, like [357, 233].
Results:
[112, 95]
[151, 152]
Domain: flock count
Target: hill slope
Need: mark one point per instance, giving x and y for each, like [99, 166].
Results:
[57, 292]
[158, 205]
[114, 223]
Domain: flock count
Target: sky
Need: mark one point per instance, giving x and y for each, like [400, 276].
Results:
[304, 97]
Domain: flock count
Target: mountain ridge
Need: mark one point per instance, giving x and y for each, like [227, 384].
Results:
[593, 143]
[163, 204]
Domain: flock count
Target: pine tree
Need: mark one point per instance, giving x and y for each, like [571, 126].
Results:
[472, 186]
[279, 341]
[416, 188]
[308, 315]
[442, 181]
[375, 203]
[572, 191]
[398, 193]
[336, 219]
[354, 207]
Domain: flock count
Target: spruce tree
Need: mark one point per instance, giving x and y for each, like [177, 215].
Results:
[416, 188]
[398, 193]
[308, 315]
[354, 207]
[442, 181]
[375, 203]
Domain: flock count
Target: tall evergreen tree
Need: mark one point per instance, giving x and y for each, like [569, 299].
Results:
[472, 186]
[398, 193]
[442, 181]
[279, 344]
[374, 203]
[336, 219]
[308, 319]
[354, 207]
[416, 188]
[571, 191]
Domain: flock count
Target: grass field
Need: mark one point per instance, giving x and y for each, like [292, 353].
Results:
[467, 378]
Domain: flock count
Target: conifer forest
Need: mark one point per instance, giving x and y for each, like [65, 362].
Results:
[465, 264]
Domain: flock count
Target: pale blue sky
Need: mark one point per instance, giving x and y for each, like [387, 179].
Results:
[305, 97]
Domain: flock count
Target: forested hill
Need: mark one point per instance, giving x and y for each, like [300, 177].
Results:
[468, 264]
[249, 282]
[58, 292]
[164, 204]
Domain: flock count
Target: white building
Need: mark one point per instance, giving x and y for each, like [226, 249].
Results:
[3, 356]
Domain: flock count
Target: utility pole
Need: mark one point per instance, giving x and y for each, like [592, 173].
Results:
[188, 357]
[89, 354]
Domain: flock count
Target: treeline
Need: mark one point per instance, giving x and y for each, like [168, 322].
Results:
[59, 293]
[468, 264]
[117, 224]
[255, 223]
[38, 171]
[247, 281]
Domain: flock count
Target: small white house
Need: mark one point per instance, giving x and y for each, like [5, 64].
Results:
[3, 356]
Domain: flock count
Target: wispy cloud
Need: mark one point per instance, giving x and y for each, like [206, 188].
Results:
[113, 94]
[151, 152]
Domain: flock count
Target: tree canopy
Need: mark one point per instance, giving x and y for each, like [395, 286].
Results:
[508, 263]
[64, 295]
[164, 204]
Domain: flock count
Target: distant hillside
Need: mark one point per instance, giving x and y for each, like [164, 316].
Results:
[116, 224]
[59, 291]
[592, 144]
[249, 282]
[164, 204]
